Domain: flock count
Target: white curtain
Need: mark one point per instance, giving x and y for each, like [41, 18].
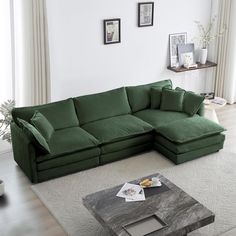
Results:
[6, 84]
[32, 74]
[225, 84]
[6, 80]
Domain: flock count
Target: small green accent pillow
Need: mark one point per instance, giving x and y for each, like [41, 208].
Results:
[41, 123]
[34, 136]
[156, 92]
[192, 102]
[172, 100]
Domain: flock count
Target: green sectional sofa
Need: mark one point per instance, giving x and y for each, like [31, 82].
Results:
[67, 136]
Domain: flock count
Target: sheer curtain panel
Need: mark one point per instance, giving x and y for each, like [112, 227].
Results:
[32, 70]
[6, 80]
[225, 85]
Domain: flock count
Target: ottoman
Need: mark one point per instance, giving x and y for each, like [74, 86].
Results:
[189, 138]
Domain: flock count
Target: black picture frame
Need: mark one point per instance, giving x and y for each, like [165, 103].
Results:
[112, 31]
[145, 14]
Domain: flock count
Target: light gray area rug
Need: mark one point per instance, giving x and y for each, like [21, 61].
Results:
[211, 180]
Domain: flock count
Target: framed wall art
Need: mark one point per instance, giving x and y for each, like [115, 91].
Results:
[145, 14]
[174, 40]
[186, 51]
[111, 31]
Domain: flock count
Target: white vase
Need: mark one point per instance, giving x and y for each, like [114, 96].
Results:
[203, 55]
[1, 187]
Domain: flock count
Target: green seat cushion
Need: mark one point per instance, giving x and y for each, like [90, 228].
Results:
[60, 114]
[139, 96]
[192, 102]
[102, 105]
[189, 129]
[49, 162]
[34, 136]
[156, 93]
[179, 148]
[159, 118]
[172, 100]
[65, 169]
[117, 128]
[127, 143]
[70, 140]
[41, 123]
[187, 156]
[127, 152]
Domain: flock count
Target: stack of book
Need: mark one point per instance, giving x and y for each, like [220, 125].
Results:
[131, 193]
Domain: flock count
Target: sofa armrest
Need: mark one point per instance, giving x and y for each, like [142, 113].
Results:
[24, 152]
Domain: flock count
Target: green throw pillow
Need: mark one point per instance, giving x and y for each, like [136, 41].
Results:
[172, 100]
[139, 96]
[34, 136]
[41, 123]
[192, 102]
[156, 92]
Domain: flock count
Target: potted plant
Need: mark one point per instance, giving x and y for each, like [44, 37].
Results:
[5, 120]
[206, 36]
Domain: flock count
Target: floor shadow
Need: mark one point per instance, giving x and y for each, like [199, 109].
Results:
[4, 201]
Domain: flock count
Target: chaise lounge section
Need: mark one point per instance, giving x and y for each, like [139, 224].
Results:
[93, 130]
[187, 139]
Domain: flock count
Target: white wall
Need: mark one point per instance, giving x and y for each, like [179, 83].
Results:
[82, 64]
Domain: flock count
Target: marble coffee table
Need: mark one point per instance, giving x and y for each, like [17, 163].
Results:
[170, 204]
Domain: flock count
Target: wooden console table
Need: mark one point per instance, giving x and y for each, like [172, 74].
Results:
[199, 66]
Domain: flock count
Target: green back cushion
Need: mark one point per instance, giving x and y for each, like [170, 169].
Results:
[139, 96]
[41, 123]
[34, 136]
[102, 105]
[190, 129]
[172, 100]
[156, 93]
[192, 102]
[60, 114]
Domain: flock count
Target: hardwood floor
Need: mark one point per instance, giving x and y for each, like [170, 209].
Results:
[23, 214]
